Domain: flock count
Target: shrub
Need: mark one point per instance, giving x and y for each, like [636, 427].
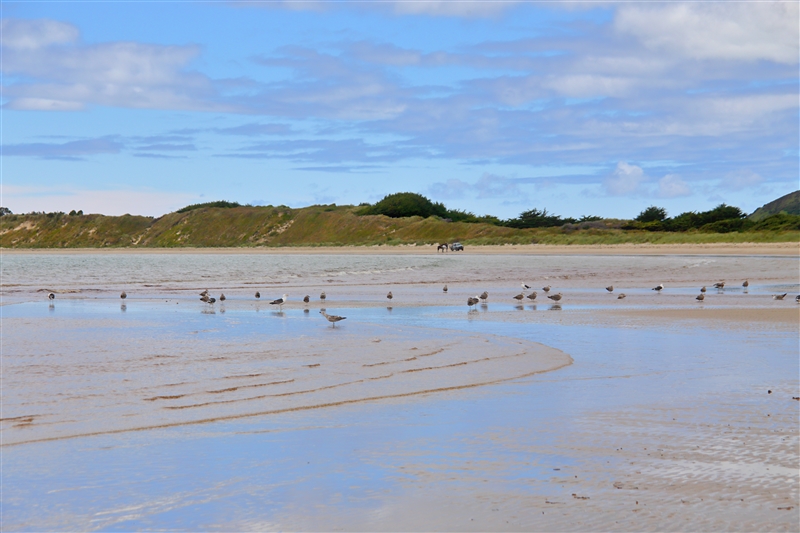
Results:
[405, 204]
[652, 214]
[221, 203]
[537, 219]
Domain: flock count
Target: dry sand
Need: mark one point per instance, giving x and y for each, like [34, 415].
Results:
[779, 248]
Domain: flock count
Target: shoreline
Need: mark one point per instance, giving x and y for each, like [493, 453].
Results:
[760, 249]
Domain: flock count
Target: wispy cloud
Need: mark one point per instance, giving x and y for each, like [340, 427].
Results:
[72, 150]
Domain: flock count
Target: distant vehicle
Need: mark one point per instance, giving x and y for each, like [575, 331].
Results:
[456, 247]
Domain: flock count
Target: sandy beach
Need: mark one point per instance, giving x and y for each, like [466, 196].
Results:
[655, 412]
[779, 248]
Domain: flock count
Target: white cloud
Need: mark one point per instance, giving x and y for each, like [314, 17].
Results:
[487, 186]
[672, 186]
[106, 202]
[740, 179]
[747, 31]
[34, 34]
[589, 85]
[450, 189]
[625, 180]
[65, 75]
[452, 8]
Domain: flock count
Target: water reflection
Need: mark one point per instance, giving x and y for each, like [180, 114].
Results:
[52, 307]
[555, 307]
[123, 307]
[532, 307]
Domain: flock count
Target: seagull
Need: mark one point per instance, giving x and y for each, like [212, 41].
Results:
[322, 296]
[123, 295]
[280, 301]
[484, 296]
[204, 298]
[610, 288]
[703, 288]
[258, 294]
[719, 285]
[444, 289]
[472, 300]
[519, 296]
[333, 319]
[221, 297]
[659, 288]
[211, 301]
[546, 289]
[525, 287]
[51, 296]
[746, 284]
[306, 298]
[779, 296]
[701, 297]
[532, 296]
[797, 298]
[389, 296]
[204, 293]
[556, 297]
[621, 296]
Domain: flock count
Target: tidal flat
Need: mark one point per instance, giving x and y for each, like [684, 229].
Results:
[159, 411]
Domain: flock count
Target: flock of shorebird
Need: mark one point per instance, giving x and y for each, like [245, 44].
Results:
[206, 297]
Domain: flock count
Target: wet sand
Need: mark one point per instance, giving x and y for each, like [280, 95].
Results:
[161, 412]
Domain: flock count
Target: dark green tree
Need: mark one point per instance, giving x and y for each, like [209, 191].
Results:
[652, 214]
[405, 204]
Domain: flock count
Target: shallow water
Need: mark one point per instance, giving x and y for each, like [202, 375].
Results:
[676, 416]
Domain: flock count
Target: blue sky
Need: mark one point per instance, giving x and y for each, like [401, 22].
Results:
[492, 107]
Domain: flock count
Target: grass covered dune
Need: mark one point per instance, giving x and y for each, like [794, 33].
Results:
[212, 226]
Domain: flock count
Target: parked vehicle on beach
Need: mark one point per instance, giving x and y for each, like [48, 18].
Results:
[456, 247]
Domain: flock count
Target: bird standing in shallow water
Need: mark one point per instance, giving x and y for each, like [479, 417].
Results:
[525, 287]
[123, 295]
[720, 285]
[546, 289]
[221, 297]
[306, 298]
[444, 289]
[610, 288]
[621, 296]
[701, 297]
[555, 297]
[746, 284]
[389, 296]
[659, 288]
[532, 296]
[333, 319]
[322, 296]
[280, 301]
[204, 293]
[258, 294]
[519, 297]
[703, 288]
[51, 296]
[780, 296]
[484, 296]
[472, 300]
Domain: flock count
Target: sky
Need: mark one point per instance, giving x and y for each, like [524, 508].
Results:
[595, 108]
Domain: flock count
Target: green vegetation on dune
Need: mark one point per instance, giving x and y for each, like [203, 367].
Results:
[788, 204]
[226, 224]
